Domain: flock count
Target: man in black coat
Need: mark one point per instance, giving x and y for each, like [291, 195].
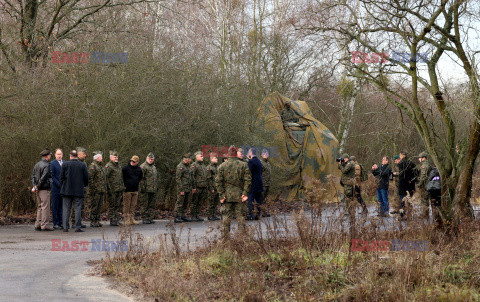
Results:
[132, 174]
[73, 180]
[383, 174]
[256, 189]
[406, 179]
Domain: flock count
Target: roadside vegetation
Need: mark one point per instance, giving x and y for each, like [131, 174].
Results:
[304, 258]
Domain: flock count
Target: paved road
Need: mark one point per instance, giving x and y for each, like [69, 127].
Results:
[31, 271]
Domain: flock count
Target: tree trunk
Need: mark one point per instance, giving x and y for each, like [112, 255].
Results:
[27, 30]
[463, 190]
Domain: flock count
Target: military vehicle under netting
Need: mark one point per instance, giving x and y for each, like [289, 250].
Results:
[306, 148]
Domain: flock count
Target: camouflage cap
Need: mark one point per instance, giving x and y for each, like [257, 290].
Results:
[345, 155]
[353, 158]
[45, 152]
[198, 153]
[187, 155]
[81, 149]
[423, 154]
[240, 150]
[150, 155]
[113, 153]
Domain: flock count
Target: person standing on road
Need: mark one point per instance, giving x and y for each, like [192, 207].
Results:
[115, 188]
[266, 179]
[97, 188]
[148, 189]
[200, 186]
[56, 169]
[357, 188]
[233, 185]
[256, 189]
[383, 175]
[213, 199]
[41, 181]
[406, 182]
[347, 180]
[73, 179]
[132, 175]
[82, 156]
[183, 178]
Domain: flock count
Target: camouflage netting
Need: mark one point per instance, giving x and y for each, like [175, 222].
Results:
[305, 153]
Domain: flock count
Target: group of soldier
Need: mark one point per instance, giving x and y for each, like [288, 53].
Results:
[228, 184]
[198, 184]
[121, 185]
[409, 178]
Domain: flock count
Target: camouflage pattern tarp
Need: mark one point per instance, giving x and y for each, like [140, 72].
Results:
[304, 153]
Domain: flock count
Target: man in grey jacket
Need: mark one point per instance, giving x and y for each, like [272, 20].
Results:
[42, 183]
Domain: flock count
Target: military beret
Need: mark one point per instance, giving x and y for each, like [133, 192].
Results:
[423, 154]
[198, 153]
[113, 153]
[232, 151]
[150, 155]
[81, 149]
[135, 158]
[45, 152]
[345, 155]
[187, 155]
[396, 157]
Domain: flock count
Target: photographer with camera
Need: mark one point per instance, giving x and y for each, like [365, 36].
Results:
[347, 180]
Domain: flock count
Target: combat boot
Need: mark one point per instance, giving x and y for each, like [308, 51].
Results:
[213, 218]
[197, 219]
[178, 220]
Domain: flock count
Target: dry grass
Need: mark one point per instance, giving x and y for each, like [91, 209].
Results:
[305, 258]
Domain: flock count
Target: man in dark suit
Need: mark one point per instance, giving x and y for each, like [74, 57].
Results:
[56, 169]
[256, 189]
[73, 180]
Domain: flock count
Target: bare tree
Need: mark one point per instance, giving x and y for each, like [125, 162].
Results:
[439, 28]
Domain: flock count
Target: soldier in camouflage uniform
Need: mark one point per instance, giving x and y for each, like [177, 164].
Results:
[97, 187]
[183, 177]
[348, 181]
[396, 200]
[82, 156]
[233, 184]
[266, 172]
[424, 169]
[288, 114]
[148, 189]
[213, 198]
[115, 188]
[357, 188]
[200, 186]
